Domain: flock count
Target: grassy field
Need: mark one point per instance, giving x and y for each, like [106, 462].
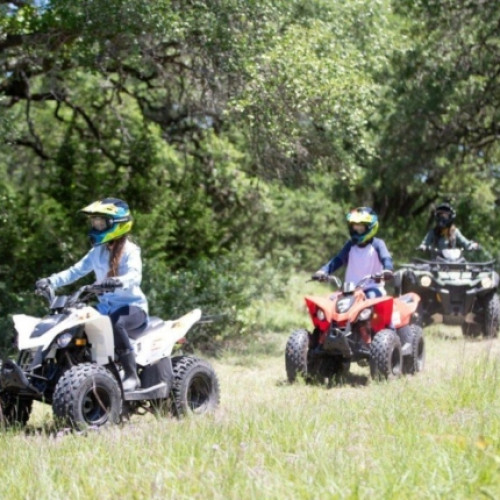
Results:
[433, 435]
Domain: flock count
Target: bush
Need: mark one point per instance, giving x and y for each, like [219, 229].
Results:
[223, 288]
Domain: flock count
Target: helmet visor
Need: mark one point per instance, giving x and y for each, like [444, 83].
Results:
[442, 214]
[358, 228]
[99, 223]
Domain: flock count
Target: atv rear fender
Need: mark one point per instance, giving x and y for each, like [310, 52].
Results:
[405, 309]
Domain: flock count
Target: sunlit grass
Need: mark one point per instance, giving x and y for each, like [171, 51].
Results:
[433, 435]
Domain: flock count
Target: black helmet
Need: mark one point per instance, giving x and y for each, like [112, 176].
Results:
[444, 215]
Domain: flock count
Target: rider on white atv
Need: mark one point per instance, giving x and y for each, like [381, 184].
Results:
[116, 263]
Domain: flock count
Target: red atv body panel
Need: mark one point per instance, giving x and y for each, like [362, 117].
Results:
[381, 318]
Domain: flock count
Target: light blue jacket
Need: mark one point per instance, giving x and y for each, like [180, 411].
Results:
[129, 274]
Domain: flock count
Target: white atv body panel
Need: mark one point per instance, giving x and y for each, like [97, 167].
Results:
[24, 325]
[160, 342]
[149, 348]
[97, 326]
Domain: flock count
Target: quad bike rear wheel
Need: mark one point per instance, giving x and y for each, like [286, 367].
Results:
[87, 395]
[385, 358]
[296, 355]
[491, 316]
[195, 388]
[14, 411]
[415, 362]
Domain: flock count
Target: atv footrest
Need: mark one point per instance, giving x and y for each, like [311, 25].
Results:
[154, 392]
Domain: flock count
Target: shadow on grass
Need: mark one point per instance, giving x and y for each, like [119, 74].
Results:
[453, 333]
[255, 345]
[352, 380]
[53, 431]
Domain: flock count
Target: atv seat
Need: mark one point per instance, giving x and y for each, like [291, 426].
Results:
[152, 323]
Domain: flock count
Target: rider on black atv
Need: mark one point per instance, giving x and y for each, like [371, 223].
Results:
[445, 234]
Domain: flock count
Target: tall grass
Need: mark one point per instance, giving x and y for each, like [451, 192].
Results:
[433, 435]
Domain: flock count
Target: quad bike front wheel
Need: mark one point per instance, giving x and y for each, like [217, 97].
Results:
[87, 395]
[296, 350]
[385, 355]
[415, 362]
[14, 411]
[471, 330]
[195, 388]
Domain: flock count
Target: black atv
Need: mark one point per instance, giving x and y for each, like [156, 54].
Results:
[454, 290]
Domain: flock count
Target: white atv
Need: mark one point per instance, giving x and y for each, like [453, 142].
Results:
[67, 359]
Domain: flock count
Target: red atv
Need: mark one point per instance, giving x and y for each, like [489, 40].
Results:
[381, 332]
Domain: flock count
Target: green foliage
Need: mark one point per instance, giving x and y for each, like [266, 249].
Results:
[305, 223]
[242, 125]
[223, 287]
[311, 96]
[436, 124]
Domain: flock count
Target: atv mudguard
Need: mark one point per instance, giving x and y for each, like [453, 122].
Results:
[405, 309]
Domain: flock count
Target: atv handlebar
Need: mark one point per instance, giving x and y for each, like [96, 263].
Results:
[93, 289]
[47, 292]
[331, 278]
[326, 278]
[102, 287]
[62, 301]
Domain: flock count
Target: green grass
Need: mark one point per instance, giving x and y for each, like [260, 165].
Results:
[433, 435]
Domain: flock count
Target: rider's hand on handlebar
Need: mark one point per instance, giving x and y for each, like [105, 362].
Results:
[42, 284]
[319, 276]
[473, 246]
[387, 274]
[423, 248]
[110, 283]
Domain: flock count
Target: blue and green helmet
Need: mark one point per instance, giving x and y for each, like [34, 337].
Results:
[117, 220]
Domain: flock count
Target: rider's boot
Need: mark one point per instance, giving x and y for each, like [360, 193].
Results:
[130, 380]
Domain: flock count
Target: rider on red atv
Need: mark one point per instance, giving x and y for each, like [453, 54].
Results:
[363, 254]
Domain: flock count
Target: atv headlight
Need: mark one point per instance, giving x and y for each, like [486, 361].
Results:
[364, 314]
[425, 281]
[320, 314]
[64, 339]
[344, 304]
[486, 282]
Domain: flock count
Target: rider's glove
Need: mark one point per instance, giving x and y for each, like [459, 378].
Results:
[319, 276]
[387, 274]
[473, 246]
[43, 284]
[422, 247]
[111, 283]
